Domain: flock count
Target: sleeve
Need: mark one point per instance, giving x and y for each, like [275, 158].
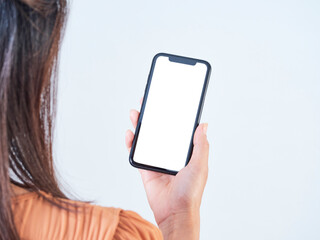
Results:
[133, 226]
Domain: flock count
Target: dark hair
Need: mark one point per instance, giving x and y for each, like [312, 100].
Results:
[30, 34]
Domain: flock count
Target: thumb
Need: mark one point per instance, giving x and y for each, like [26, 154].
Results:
[199, 158]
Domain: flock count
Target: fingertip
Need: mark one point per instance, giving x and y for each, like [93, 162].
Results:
[204, 128]
[132, 112]
[201, 133]
[134, 116]
[129, 138]
[128, 132]
[199, 158]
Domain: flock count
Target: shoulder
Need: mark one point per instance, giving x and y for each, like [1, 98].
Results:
[133, 226]
[38, 218]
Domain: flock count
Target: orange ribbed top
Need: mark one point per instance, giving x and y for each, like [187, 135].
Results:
[36, 219]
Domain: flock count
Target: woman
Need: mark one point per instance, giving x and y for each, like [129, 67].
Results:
[32, 206]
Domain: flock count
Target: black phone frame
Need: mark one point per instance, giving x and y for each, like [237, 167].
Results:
[183, 60]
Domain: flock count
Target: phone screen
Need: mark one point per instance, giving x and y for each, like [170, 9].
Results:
[170, 112]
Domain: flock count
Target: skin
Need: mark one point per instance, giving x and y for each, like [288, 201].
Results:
[18, 190]
[175, 200]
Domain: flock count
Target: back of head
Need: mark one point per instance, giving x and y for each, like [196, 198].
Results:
[30, 34]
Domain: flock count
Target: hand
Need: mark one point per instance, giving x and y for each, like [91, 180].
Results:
[177, 198]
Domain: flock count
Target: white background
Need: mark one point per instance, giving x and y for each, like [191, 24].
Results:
[263, 107]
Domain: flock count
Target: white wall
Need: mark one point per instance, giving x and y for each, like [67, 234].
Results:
[263, 107]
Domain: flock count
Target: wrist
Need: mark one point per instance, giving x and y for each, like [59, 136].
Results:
[182, 225]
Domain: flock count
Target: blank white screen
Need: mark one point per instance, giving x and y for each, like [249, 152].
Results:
[170, 113]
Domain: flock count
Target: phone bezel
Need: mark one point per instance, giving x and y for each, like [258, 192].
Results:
[184, 60]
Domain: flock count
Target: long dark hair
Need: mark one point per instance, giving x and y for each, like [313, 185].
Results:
[30, 35]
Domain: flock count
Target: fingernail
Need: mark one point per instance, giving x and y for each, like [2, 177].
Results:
[205, 128]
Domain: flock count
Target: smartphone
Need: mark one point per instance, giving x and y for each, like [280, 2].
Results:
[170, 113]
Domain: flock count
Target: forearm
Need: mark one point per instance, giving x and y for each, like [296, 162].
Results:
[181, 226]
